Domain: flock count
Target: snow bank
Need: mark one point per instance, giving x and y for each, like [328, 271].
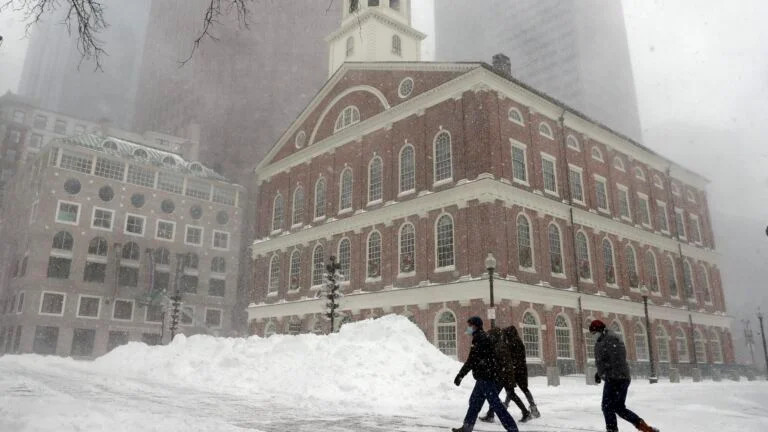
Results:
[387, 363]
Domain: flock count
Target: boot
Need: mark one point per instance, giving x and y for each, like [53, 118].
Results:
[488, 418]
[643, 427]
[458, 429]
[535, 411]
[526, 417]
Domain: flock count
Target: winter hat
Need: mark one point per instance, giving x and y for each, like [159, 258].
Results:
[476, 321]
[596, 326]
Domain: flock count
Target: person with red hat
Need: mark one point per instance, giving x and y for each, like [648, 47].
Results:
[613, 369]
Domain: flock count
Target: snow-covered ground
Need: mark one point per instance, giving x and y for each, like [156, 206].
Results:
[380, 375]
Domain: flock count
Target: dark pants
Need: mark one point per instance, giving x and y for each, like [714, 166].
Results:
[512, 396]
[487, 391]
[614, 396]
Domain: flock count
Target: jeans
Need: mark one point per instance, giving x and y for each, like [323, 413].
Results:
[614, 396]
[487, 391]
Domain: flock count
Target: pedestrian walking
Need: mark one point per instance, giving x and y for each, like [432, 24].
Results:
[613, 370]
[511, 339]
[483, 366]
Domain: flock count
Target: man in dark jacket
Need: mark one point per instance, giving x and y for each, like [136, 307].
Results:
[612, 367]
[481, 363]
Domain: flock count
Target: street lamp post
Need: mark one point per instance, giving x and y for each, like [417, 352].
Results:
[748, 338]
[762, 334]
[332, 288]
[490, 264]
[653, 379]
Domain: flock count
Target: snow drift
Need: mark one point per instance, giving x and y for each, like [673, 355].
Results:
[387, 362]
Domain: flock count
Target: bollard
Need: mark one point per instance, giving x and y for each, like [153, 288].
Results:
[591, 371]
[716, 376]
[735, 376]
[553, 376]
[696, 374]
[674, 375]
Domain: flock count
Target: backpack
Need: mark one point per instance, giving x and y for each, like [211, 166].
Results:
[502, 366]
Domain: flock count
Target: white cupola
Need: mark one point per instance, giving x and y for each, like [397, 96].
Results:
[374, 31]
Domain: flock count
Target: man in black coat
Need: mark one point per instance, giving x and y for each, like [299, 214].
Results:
[481, 363]
[612, 367]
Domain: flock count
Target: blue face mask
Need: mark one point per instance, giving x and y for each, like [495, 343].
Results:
[470, 330]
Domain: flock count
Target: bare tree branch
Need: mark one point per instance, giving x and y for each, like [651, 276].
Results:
[215, 10]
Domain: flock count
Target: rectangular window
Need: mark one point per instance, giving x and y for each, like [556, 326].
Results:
[151, 339]
[577, 187]
[189, 283]
[198, 189]
[548, 171]
[154, 313]
[102, 219]
[41, 122]
[15, 137]
[58, 268]
[53, 156]
[17, 340]
[123, 310]
[68, 213]
[46, 340]
[141, 176]
[60, 127]
[624, 211]
[224, 195]
[213, 318]
[194, 235]
[601, 194]
[19, 116]
[95, 272]
[645, 211]
[20, 307]
[116, 339]
[519, 171]
[88, 307]
[52, 303]
[165, 230]
[217, 287]
[76, 162]
[110, 169]
[680, 224]
[170, 183]
[662, 220]
[220, 240]
[36, 141]
[162, 281]
[187, 315]
[695, 229]
[134, 224]
[128, 277]
[82, 342]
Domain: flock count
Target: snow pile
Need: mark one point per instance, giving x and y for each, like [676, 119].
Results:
[387, 363]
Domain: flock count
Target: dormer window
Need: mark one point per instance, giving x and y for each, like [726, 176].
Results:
[196, 167]
[397, 45]
[354, 6]
[347, 118]
[546, 131]
[109, 145]
[140, 153]
[169, 160]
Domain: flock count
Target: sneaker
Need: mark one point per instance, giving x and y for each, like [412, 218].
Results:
[526, 417]
[488, 418]
[535, 411]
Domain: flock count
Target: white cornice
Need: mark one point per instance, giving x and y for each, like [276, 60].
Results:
[478, 289]
[354, 23]
[484, 190]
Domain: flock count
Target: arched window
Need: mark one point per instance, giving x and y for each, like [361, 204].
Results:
[444, 240]
[193, 261]
[407, 248]
[169, 160]
[657, 181]
[298, 206]
[131, 252]
[682, 346]
[63, 241]
[675, 189]
[573, 143]
[608, 267]
[374, 255]
[618, 163]
[641, 343]
[563, 338]
[397, 45]
[318, 265]
[688, 280]
[375, 168]
[277, 213]
[524, 244]
[140, 153]
[274, 274]
[218, 265]
[443, 157]
[350, 44]
[320, 198]
[639, 174]
[162, 256]
[295, 282]
[515, 116]
[407, 169]
[345, 197]
[546, 131]
[597, 154]
[531, 336]
[704, 278]
[555, 249]
[294, 328]
[671, 274]
[662, 344]
[700, 347]
[634, 279]
[345, 257]
[651, 271]
[348, 117]
[589, 340]
[270, 329]
[196, 167]
[98, 246]
[445, 333]
[715, 347]
[582, 256]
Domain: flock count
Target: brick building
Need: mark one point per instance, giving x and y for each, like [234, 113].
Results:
[101, 232]
[411, 173]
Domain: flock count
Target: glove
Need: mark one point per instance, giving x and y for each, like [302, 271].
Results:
[597, 378]
[457, 380]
